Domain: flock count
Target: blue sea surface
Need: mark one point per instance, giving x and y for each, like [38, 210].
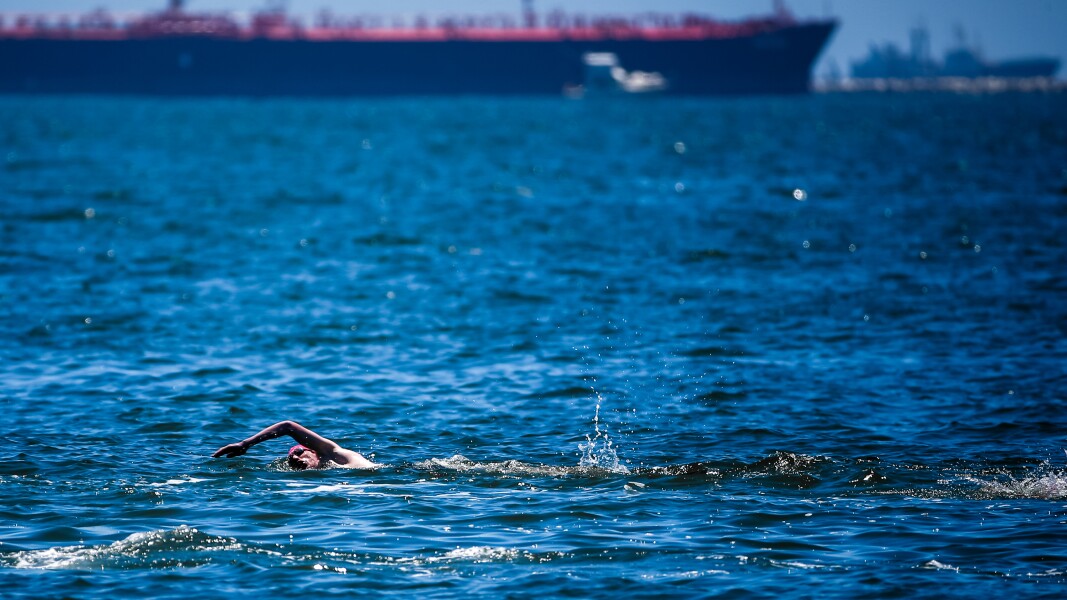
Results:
[797, 347]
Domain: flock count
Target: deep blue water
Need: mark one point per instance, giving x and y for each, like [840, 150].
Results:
[600, 346]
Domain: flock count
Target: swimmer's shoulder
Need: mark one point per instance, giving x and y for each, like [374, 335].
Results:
[352, 460]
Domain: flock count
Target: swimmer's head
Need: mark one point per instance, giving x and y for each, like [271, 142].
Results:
[302, 457]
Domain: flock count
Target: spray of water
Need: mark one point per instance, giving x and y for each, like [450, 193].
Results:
[598, 450]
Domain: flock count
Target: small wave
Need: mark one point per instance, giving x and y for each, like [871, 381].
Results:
[784, 469]
[938, 566]
[797, 564]
[785, 463]
[868, 477]
[566, 392]
[184, 546]
[481, 554]
[344, 489]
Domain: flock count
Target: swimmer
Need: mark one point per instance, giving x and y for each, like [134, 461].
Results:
[311, 452]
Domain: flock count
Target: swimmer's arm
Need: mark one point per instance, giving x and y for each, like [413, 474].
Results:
[322, 446]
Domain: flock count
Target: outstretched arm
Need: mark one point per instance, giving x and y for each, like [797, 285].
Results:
[322, 446]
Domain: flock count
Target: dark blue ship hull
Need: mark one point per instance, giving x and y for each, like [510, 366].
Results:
[1023, 68]
[768, 63]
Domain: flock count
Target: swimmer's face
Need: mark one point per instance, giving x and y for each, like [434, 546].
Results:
[302, 459]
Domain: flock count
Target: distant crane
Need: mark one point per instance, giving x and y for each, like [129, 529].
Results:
[782, 12]
[529, 16]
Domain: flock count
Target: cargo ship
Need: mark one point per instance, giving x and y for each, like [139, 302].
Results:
[178, 52]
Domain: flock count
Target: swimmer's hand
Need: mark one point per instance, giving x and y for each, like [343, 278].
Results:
[230, 450]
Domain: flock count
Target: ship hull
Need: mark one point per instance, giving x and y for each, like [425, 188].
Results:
[1023, 68]
[769, 63]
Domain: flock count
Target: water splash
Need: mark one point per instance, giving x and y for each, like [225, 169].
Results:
[599, 451]
[1048, 486]
[462, 464]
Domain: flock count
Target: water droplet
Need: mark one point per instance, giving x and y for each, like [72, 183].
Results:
[866, 317]
[303, 243]
[965, 240]
[807, 244]
[977, 248]
[476, 251]
[681, 301]
[264, 232]
[922, 255]
[925, 289]
[679, 147]
[451, 249]
[88, 320]
[800, 195]
[390, 295]
[111, 253]
[679, 187]
[90, 213]
[366, 145]
[852, 247]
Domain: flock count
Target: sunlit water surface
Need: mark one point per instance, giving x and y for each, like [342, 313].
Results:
[803, 347]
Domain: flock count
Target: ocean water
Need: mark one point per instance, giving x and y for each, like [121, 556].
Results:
[753, 348]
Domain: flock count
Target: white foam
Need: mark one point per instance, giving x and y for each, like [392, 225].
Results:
[462, 464]
[481, 554]
[1050, 486]
[475, 554]
[173, 482]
